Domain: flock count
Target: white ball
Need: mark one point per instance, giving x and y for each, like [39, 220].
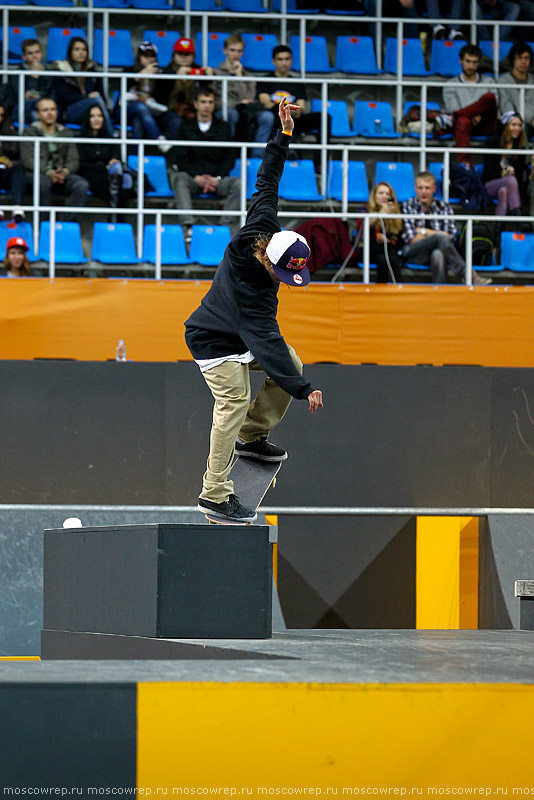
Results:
[73, 522]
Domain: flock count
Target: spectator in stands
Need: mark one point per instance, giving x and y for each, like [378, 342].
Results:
[271, 91]
[470, 108]
[16, 264]
[495, 10]
[59, 161]
[205, 169]
[455, 10]
[508, 176]
[431, 241]
[521, 57]
[179, 96]
[12, 174]
[75, 92]
[245, 115]
[385, 234]
[143, 110]
[100, 163]
[36, 84]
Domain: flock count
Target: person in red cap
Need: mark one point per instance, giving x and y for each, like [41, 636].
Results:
[180, 94]
[235, 330]
[16, 262]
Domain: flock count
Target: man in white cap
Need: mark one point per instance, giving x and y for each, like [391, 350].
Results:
[235, 330]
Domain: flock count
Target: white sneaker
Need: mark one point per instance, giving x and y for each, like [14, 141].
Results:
[163, 145]
[455, 34]
[18, 215]
[479, 280]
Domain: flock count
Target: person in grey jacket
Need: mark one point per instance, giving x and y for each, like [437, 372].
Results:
[59, 161]
[521, 57]
[470, 108]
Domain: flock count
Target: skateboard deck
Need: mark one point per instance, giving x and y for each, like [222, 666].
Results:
[252, 480]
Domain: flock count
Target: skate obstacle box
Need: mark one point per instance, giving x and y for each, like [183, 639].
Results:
[169, 581]
[525, 591]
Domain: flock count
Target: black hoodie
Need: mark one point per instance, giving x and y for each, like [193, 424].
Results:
[239, 311]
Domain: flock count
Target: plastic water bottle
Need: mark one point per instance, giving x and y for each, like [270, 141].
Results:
[378, 126]
[120, 351]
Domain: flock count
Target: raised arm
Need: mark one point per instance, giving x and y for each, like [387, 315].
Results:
[264, 203]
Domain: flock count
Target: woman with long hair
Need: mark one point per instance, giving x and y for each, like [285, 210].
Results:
[75, 92]
[505, 175]
[16, 262]
[100, 163]
[385, 233]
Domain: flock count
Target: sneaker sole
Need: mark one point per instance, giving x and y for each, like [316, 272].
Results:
[256, 457]
[225, 517]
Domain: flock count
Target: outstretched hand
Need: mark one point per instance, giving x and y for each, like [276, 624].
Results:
[315, 400]
[284, 112]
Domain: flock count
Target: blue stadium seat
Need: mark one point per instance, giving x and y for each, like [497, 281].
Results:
[172, 245]
[292, 8]
[340, 116]
[164, 41]
[108, 3]
[58, 42]
[24, 229]
[155, 169]
[215, 48]
[488, 48]
[199, 5]
[298, 182]
[316, 53]
[208, 243]
[355, 55]
[120, 48]
[68, 244]
[64, 3]
[258, 51]
[374, 119]
[113, 243]
[15, 37]
[358, 187]
[152, 5]
[436, 168]
[430, 106]
[400, 175]
[253, 165]
[413, 60]
[14, 3]
[444, 57]
[247, 6]
[517, 251]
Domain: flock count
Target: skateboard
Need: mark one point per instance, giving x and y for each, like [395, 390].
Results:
[252, 480]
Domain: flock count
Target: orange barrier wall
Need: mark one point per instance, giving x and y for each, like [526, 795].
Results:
[346, 323]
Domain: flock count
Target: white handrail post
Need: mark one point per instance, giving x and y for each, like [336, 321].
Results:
[400, 55]
[324, 136]
[446, 174]
[105, 49]
[345, 181]
[140, 197]
[469, 252]
[52, 238]
[22, 102]
[366, 250]
[187, 27]
[422, 117]
[123, 110]
[157, 268]
[36, 191]
[378, 34]
[302, 44]
[283, 22]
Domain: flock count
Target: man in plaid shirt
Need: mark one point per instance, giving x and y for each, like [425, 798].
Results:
[431, 241]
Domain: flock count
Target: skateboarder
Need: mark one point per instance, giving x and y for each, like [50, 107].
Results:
[235, 330]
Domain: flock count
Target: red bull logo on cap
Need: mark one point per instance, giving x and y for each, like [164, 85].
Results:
[297, 263]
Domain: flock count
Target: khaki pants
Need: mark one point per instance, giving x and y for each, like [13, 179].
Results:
[234, 415]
